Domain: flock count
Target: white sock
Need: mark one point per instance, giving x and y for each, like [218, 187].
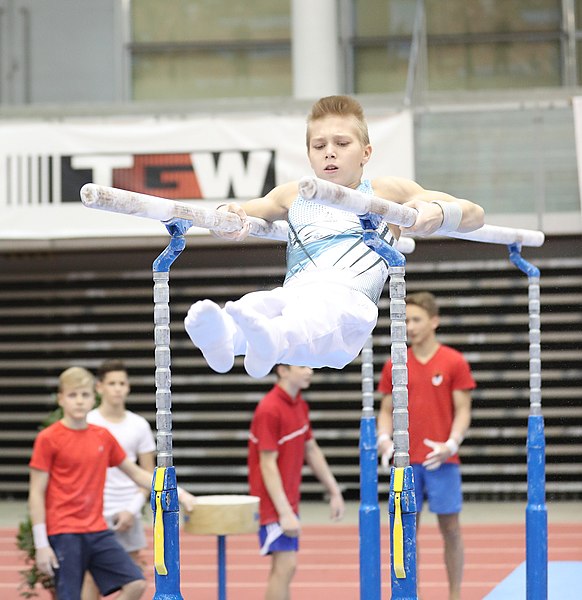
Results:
[262, 340]
[207, 326]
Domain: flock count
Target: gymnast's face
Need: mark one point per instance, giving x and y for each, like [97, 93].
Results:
[336, 152]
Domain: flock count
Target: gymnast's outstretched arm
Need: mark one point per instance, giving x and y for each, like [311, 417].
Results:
[431, 206]
[436, 210]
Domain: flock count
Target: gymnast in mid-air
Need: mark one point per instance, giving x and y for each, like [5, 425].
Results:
[327, 305]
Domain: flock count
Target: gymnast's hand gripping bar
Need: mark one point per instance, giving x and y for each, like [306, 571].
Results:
[338, 196]
[162, 209]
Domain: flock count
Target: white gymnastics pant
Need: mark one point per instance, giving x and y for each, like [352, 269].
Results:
[313, 324]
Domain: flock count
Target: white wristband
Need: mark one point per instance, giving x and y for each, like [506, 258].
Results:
[452, 445]
[452, 216]
[39, 536]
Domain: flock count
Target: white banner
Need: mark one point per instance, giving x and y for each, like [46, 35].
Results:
[205, 160]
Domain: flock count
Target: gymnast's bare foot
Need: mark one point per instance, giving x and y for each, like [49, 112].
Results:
[262, 340]
[208, 329]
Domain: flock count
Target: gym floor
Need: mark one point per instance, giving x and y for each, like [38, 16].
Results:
[494, 536]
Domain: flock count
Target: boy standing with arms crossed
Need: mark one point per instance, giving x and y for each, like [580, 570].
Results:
[67, 476]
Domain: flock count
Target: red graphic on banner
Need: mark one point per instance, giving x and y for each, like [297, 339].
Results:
[168, 175]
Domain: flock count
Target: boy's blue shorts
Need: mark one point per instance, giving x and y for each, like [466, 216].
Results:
[100, 554]
[441, 487]
[272, 539]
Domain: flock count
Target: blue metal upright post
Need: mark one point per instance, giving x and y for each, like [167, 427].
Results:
[536, 517]
[221, 546]
[402, 502]
[369, 513]
[164, 497]
[166, 510]
[402, 508]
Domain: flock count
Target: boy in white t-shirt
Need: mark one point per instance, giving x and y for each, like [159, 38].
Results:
[123, 500]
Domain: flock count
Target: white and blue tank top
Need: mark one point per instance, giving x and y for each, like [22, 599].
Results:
[326, 243]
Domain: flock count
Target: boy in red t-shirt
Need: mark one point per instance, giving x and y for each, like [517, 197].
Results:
[67, 476]
[280, 441]
[439, 412]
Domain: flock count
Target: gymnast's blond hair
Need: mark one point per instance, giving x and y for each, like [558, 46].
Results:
[339, 106]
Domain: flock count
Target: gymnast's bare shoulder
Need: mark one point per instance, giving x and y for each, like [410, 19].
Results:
[397, 189]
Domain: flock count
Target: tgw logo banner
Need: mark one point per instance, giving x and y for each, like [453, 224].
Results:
[236, 174]
[204, 160]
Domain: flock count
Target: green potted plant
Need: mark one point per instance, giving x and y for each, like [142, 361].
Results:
[33, 579]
